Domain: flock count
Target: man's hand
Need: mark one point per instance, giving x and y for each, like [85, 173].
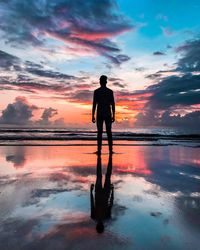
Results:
[93, 119]
[113, 119]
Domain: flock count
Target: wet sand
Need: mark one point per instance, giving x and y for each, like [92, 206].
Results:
[45, 197]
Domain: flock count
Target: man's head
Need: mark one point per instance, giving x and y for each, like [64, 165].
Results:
[103, 80]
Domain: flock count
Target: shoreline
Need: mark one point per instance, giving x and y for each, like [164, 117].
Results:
[116, 137]
[88, 143]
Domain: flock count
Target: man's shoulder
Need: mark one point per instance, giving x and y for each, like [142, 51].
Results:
[96, 90]
[99, 90]
[109, 90]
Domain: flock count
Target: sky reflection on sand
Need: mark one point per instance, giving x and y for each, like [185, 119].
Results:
[44, 198]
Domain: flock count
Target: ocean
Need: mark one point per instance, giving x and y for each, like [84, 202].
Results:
[58, 136]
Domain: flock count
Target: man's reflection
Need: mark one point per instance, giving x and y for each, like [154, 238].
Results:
[102, 200]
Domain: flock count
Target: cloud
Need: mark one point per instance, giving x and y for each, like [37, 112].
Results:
[173, 96]
[89, 24]
[146, 119]
[162, 17]
[118, 59]
[37, 79]
[18, 157]
[140, 69]
[47, 114]
[39, 70]
[118, 84]
[81, 96]
[154, 76]
[167, 31]
[34, 78]
[60, 122]
[168, 96]
[175, 90]
[20, 112]
[113, 79]
[8, 61]
[170, 178]
[190, 60]
[167, 119]
[138, 95]
[23, 230]
[158, 53]
[191, 120]
[12, 63]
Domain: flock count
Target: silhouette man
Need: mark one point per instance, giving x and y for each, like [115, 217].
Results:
[102, 204]
[103, 98]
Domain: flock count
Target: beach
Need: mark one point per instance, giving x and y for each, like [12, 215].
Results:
[99, 125]
[45, 195]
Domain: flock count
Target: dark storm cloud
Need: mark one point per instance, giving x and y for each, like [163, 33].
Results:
[191, 120]
[19, 112]
[168, 119]
[175, 90]
[168, 95]
[190, 60]
[158, 53]
[8, 61]
[88, 23]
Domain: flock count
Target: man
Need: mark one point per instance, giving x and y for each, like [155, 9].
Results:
[104, 100]
[102, 199]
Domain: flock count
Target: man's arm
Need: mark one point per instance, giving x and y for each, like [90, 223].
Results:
[94, 107]
[113, 107]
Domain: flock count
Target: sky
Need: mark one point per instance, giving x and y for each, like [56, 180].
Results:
[53, 52]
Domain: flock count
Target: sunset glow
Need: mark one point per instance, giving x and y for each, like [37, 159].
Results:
[53, 53]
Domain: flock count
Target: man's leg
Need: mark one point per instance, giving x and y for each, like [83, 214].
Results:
[107, 182]
[99, 133]
[108, 122]
[98, 184]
